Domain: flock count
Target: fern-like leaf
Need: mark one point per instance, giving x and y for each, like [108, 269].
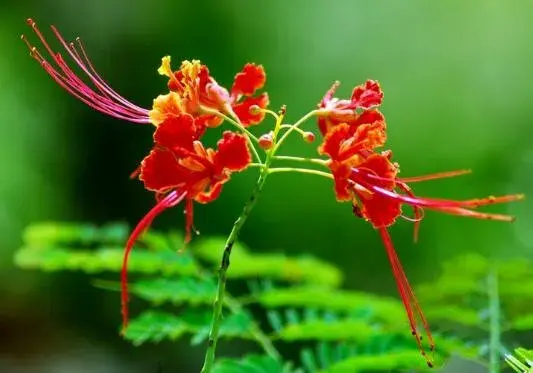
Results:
[193, 291]
[155, 326]
[105, 259]
[253, 364]
[305, 269]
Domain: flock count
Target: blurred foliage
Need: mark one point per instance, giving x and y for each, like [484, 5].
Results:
[300, 299]
[457, 81]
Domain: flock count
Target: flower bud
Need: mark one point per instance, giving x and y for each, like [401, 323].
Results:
[266, 141]
[308, 137]
[254, 110]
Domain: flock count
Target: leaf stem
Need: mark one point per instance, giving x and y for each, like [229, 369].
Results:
[494, 327]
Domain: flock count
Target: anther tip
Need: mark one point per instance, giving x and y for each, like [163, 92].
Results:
[430, 364]
[30, 22]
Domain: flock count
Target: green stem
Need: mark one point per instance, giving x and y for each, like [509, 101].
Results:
[294, 127]
[224, 265]
[321, 162]
[300, 170]
[495, 332]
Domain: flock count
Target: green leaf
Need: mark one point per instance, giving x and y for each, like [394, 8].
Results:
[155, 326]
[382, 308]
[51, 234]
[410, 359]
[252, 364]
[523, 323]
[454, 314]
[105, 259]
[194, 291]
[245, 264]
[345, 330]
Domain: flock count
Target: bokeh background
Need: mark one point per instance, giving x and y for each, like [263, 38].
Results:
[458, 87]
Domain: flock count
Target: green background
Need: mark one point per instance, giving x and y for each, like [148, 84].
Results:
[457, 78]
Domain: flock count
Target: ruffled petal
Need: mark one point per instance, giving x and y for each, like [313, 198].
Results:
[333, 141]
[211, 194]
[377, 208]
[165, 106]
[250, 79]
[367, 95]
[160, 171]
[177, 131]
[242, 109]
[232, 154]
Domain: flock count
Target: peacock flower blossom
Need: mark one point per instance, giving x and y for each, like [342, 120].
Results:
[179, 167]
[200, 91]
[369, 180]
[359, 109]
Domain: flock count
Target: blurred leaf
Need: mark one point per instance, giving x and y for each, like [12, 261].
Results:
[52, 234]
[379, 363]
[194, 291]
[155, 326]
[252, 364]
[335, 300]
[105, 259]
[345, 330]
[245, 264]
[454, 314]
[522, 323]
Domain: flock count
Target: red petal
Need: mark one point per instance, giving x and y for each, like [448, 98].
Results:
[334, 139]
[251, 78]
[172, 199]
[368, 116]
[211, 194]
[177, 131]
[378, 209]
[343, 187]
[233, 153]
[242, 109]
[160, 171]
[367, 95]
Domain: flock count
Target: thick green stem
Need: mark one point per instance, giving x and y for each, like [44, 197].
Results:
[495, 332]
[221, 287]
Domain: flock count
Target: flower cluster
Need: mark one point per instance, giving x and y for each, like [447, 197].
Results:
[353, 130]
[179, 167]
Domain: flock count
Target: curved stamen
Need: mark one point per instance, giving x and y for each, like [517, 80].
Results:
[172, 199]
[106, 101]
[359, 178]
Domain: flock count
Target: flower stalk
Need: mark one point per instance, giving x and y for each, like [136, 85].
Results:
[225, 262]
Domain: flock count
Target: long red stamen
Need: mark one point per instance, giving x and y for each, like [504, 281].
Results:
[433, 203]
[439, 175]
[409, 300]
[172, 199]
[189, 219]
[107, 101]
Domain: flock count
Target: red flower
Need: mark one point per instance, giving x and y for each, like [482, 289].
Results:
[198, 90]
[358, 110]
[180, 168]
[369, 180]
